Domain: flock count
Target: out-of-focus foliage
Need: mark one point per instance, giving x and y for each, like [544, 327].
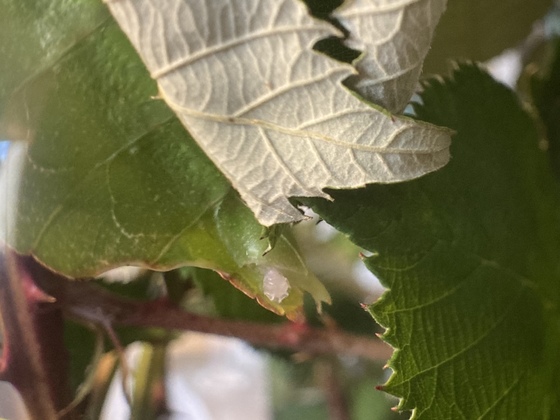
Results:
[480, 30]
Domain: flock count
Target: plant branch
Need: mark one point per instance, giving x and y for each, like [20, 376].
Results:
[120, 350]
[34, 357]
[91, 303]
[334, 394]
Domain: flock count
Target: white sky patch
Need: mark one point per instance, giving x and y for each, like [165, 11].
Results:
[506, 67]
[324, 232]
[369, 283]
[4, 146]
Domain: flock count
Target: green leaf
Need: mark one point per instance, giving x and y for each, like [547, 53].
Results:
[35, 35]
[470, 257]
[481, 29]
[107, 175]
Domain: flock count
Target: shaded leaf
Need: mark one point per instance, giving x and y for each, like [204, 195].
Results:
[107, 175]
[267, 109]
[470, 255]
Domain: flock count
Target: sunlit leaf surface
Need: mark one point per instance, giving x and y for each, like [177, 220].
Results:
[269, 111]
[395, 36]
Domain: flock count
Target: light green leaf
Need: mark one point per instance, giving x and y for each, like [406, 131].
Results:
[33, 42]
[470, 257]
[395, 36]
[107, 176]
[269, 111]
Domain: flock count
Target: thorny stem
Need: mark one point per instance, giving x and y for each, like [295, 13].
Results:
[33, 300]
[34, 358]
[90, 303]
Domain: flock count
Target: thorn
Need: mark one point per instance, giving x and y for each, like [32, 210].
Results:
[364, 306]
[35, 294]
[379, 335]
[385, 366]
[379, 387]
[362, 256]
[394, 409]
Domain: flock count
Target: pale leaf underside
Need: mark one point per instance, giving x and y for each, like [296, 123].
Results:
[394, 36]
[268, 110]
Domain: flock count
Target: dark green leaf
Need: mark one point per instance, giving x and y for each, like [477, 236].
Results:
[470, 255]
[80, 342]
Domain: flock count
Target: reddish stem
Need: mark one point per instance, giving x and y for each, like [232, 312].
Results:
[336, 400]
[34, 359]
[91, 303]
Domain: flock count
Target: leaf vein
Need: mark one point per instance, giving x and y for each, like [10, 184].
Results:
[210, 51]
[473, 344]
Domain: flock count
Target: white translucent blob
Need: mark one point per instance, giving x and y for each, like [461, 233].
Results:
[275, 286]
